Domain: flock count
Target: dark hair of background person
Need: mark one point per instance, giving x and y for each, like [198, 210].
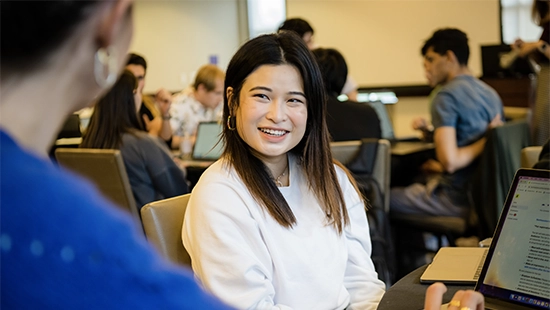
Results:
[449, 39]
[297, 25]
[539, 11]
[114, 115]
[135, 59]
[27, 47]
[285, 48]
[333, 68]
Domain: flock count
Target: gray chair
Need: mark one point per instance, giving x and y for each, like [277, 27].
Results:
[162, 222]
[105, 168]
[345, 151]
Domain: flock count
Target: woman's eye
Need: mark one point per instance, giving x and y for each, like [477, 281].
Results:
[295, 101]
[262, 96]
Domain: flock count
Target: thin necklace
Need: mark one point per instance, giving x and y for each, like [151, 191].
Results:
[278, 179]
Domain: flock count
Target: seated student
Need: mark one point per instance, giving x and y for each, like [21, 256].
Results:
[201, 104]
[346, 120]
[462, 111]
[306, 32]
[153, 112]
[276, 223]
[115, 124]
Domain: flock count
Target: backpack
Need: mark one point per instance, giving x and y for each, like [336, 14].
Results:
[383, 250]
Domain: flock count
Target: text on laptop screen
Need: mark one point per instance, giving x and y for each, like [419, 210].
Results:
[520, 268]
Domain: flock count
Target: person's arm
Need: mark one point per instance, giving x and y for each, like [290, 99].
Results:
[468, 299]
[526, 48]
[227, 250]
[360, 279]
[163, 100]
[450, 156]
[448, 153]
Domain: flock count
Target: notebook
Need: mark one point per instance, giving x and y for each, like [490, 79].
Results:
[516, 271]
[207, 145]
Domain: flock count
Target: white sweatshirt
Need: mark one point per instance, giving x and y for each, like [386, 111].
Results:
[243, 256]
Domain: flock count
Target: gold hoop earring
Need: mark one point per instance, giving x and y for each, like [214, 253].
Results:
[105, 67]
[231, 125]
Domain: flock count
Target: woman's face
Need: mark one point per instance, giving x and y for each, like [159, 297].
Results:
[272, 114]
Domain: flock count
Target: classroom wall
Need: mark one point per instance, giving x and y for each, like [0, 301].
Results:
[379, 38]
[176, 37]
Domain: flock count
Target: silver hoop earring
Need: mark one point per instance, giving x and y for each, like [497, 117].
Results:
[105, 67]
[231, 123]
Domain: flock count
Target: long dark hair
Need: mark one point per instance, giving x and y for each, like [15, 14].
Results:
[114, 114]
[314, 148]
[32, 30]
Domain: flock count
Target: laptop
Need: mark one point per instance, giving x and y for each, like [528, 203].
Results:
[455, 265]
[208, 146]
[516, 271]
[398, 146]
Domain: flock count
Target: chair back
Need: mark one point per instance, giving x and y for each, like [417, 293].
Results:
[530, 156]
[346, 151]
[105, 168]
[162, 222]
[497, 165]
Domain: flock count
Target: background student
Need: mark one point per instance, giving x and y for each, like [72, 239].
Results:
[346, 120]
[115, 124]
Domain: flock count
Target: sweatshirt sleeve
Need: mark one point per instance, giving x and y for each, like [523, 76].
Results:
[361, 279]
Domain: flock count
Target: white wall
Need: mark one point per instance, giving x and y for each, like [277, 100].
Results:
[380, 39]
[176, 37]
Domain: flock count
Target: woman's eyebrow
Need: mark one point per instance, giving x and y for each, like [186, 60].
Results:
[261, 88]
[296, 93]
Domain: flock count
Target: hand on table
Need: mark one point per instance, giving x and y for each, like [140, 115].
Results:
[462, 300]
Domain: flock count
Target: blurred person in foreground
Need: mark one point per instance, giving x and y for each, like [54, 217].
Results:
[62, 245]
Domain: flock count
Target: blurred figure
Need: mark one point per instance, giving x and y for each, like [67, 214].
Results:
[202, 104]
[306, 32]
[346, 120]
[115, 124]
[462, 111]
[153, 111]
[539, 51]
[62, 245]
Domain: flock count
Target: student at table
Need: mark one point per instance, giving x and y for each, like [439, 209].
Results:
[115, 124]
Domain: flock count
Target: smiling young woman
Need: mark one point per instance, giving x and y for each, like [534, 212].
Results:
[275, 223]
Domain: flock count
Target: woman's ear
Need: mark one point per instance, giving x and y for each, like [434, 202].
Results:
[112, 21]
[229, 95]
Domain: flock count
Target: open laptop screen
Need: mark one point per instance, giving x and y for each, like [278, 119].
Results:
[517, 269]
[206, 142]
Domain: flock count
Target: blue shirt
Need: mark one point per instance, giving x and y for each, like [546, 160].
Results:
[469, 105]
[63, 246]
